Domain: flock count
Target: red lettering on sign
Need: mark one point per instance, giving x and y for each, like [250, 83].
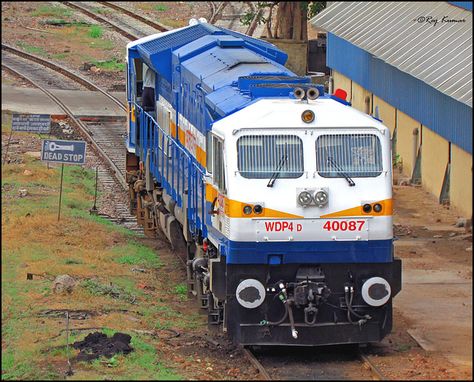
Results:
[278, 226]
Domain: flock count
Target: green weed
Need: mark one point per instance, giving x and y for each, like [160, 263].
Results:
[134, 253]
[110, 65]
[31, 48]
[52, 10]
[96, 31]
[160, 8]
[95, 288]
[72, 262]
[182, 291]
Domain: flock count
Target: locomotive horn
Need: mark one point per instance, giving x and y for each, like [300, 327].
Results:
[299, 93]
[312, 93]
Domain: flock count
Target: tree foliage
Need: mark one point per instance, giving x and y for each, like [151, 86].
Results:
[290, 20]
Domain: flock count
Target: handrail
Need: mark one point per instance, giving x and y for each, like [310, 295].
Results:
[174, 167]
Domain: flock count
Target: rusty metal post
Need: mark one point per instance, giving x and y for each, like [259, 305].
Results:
[93, 210]
[61, 190]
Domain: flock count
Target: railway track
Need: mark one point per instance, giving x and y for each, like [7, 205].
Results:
[125, 22]
[322, 363]
[59, 69]
[106, 140]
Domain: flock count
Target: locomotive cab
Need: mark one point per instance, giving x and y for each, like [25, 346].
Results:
[306, 205]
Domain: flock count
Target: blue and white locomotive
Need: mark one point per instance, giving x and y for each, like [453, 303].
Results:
[279, 196]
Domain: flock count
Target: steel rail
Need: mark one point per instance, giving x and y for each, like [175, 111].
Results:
[75, 77]
[83, 128]
[374, 369]
[255, 362]
[102, 20]
[154, 24]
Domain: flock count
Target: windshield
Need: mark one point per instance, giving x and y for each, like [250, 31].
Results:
[260, 156]
[348, 155]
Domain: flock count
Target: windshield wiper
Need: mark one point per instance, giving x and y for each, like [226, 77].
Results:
[341, 172]
[277, 172]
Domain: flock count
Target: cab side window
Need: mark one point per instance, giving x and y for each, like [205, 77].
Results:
[218, 163]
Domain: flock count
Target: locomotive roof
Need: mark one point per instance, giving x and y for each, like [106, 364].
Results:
[286, 113]
[228, 66]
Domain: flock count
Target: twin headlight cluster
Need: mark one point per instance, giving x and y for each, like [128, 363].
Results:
[316, 197]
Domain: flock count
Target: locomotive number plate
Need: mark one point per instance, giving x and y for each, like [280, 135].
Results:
[312, 229]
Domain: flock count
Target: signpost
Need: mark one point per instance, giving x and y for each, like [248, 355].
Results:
[32, 123]
[64, 152]
[28, 123]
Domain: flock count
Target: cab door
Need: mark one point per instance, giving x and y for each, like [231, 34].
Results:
[217, 212]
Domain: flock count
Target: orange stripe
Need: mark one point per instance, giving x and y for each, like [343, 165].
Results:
[387, 210]
[181, 136]
[234, 208]
[173, 129]
[201, 156]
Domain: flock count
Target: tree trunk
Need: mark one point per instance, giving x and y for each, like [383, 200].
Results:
[291, 21]
[285, 19]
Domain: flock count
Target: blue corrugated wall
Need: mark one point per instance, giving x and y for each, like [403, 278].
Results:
[442, 114]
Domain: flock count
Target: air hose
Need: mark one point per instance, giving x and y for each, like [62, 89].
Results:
[362, 319]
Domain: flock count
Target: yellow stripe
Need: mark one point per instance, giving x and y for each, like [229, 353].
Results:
[387, 210]
[133, 114]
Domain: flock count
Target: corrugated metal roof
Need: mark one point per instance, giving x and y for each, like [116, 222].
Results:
[414, 37]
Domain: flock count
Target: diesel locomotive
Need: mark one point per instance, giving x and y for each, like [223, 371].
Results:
[277, 194]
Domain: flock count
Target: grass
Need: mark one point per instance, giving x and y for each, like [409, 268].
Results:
[96, 31]
[31, 48]
[90, 249]
[101, 11]
[134, 253]
[52, 10]
[110, 65]
[96, 288]
[160, 8]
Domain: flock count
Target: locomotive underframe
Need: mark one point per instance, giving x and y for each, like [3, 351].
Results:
[250, 326]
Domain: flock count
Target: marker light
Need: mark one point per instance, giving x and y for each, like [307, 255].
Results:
[304, 198]
[258, 209]
[247, 210]
[367, 208]
[307, 116]
[377, 207]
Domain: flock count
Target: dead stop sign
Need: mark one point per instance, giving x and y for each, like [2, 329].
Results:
[69, 152]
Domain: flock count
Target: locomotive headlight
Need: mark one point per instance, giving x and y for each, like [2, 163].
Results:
[376, 291]
[304, 198]
[258, 209]
[307, 116]
[321, 198]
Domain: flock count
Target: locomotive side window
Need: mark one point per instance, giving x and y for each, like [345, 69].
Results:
[351, 155]
[218, 164]
[261, 156]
